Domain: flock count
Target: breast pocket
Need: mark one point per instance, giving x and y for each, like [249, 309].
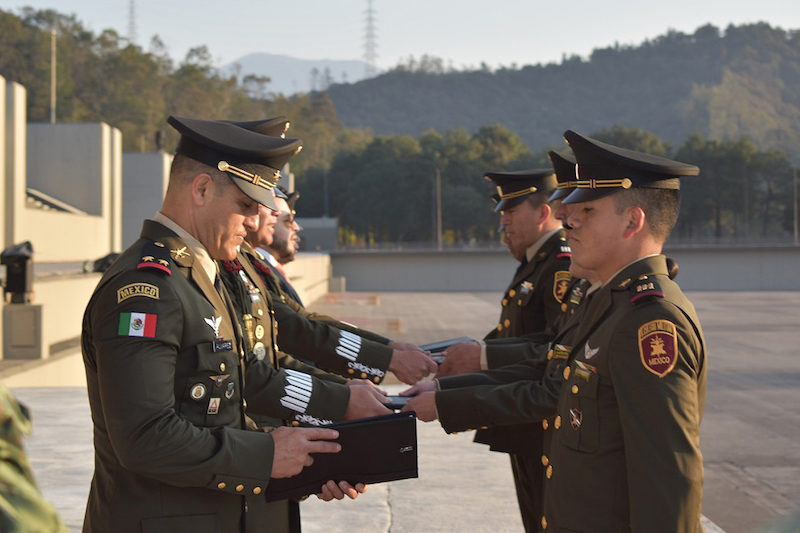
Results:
[212, 396]
[580, 424]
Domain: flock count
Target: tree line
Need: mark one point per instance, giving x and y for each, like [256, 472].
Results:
[384, 189]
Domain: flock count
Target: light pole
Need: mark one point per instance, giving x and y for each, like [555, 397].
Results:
[53, 76]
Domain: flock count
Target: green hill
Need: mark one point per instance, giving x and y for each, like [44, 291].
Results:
[743, 81]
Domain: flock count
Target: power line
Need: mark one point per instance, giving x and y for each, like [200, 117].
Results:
[370, 42]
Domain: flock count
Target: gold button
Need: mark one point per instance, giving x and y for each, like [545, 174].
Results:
[550, 355]
[545, 424]
[519, 303]
[499, 327]
[549, 471]
[557, 422]
[484, 427]
[351, 371]
[363, 375]
[376, 379]
[260, 312]
[563, 307]
[159, 244]
[239, 488]
[244, 404]
[257, 490]
[222, 367]
[505, 302]
[545, 460]
[574, 389]
[295, 423]
[544, 522]
[512, 292]
[566, 372]
[506, 322]
[221, 485]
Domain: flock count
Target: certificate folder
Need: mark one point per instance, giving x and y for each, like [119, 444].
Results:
[436, 347]
[374, 450]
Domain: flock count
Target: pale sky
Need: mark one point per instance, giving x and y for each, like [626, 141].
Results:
[464, 32]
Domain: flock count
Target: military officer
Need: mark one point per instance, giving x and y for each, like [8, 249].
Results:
[533, 299]
[627, 453]
[328, 343]
[530, 305]
[168, 380]
[253, 305]
[22, 507]
[285, 242]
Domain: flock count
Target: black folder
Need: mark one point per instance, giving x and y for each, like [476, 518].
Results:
[374, 450]
[436, 347]
[397, 402]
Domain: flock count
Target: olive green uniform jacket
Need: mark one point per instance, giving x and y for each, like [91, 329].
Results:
[531, 304]
[253, 305]
[168, 383]
[331, 345]
[626, 456]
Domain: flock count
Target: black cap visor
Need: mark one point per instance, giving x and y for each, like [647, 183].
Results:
[508, 203]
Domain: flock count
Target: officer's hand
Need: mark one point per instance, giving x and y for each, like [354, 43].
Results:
[331, 490]
[411, 366]
[294, 446]
[461, 358]
[406, 347]
[425, 406]
[364, 402]
[419, 388]
[365, 383]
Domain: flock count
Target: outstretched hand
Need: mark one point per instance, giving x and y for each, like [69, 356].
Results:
[332, 490]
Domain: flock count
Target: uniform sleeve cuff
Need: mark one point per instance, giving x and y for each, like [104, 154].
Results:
[484, 361]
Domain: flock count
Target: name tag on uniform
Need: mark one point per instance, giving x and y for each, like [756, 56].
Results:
[223, 346]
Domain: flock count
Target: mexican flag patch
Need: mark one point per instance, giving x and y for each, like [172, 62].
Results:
[137, 325]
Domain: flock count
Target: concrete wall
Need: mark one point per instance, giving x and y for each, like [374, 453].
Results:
[743, 269]
[309, 274]
[81, 165]
[74, 163]
[63, 237]
[63, 300]
[143, 189]
[318, 233]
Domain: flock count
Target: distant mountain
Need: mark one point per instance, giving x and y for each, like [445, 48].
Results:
[289, 75]
[743, 81]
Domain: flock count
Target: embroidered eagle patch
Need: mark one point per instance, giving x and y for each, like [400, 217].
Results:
[658, 346]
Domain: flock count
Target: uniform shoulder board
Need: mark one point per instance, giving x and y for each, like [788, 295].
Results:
[564, 250]
[645, 288]
[155, 256]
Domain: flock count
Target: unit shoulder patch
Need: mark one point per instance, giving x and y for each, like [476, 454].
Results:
[137, 289]
[560, 284]
[658, 346]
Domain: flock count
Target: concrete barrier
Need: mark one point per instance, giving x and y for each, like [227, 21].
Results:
[773, 268]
